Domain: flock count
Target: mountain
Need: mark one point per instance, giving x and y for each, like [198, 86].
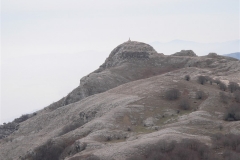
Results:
[137, 105]
[199, 48]
[234, 55]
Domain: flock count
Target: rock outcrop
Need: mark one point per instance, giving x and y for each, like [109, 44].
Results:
[128, 50]
[189, 53]
[212, 55]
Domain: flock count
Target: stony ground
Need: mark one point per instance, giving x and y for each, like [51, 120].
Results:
[120, 108]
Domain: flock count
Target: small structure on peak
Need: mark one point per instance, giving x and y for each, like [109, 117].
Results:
[129, 40]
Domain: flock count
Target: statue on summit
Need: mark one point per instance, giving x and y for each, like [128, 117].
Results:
[129, 40]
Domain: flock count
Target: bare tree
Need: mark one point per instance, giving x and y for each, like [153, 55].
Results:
[202, 80]
[187, 77]
[222, 86]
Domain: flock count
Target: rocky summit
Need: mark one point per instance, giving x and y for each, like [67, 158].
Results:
[185, 53]
[138, 104]
[129, 50]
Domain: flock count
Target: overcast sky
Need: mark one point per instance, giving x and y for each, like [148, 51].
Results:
[36, 36]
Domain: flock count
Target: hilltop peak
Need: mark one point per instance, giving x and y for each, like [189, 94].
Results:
[189, 53]
[129, 50]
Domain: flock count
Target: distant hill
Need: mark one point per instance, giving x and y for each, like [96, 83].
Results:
[137, 105]
[199, 48]
[234, 55]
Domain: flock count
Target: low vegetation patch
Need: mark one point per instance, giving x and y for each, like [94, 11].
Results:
[55, 150]
[172, 94]
[222, 86]
[21, 119]
[229, 143]
[210, 80]
[187, 78]
[237, 96]
[200, 94]
[47, 151]
[187, 149]
[71, 127]
[202, 79]
[233, 86]
[233, 113]
[217, 81]
[185, 104]
[224, 98]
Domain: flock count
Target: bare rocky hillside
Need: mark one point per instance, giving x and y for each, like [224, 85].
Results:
[122, 109]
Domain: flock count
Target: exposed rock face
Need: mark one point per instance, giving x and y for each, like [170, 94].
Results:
[189, 53]
[212, 55]
[128, 50]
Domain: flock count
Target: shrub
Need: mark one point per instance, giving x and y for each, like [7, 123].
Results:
[187, 149]
[202, 80]
[237, 96]
[71, 127]
[217, 81]
[210, 80]
[47, 151]
[21, 119]
[207, 78]
[233, 86]
[224, 97]
[228, 141]
[200, 94]
[172, 94]
[233, 113]
[222, 86]
[220, 127]
[108, 138]
[185, 104]
[187, 78]
[230, 155]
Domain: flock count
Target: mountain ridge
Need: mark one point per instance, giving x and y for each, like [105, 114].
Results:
[199, 48]
[233, 55]
[120, 108]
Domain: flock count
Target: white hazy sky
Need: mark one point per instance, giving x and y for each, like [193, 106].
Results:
[44, 42]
